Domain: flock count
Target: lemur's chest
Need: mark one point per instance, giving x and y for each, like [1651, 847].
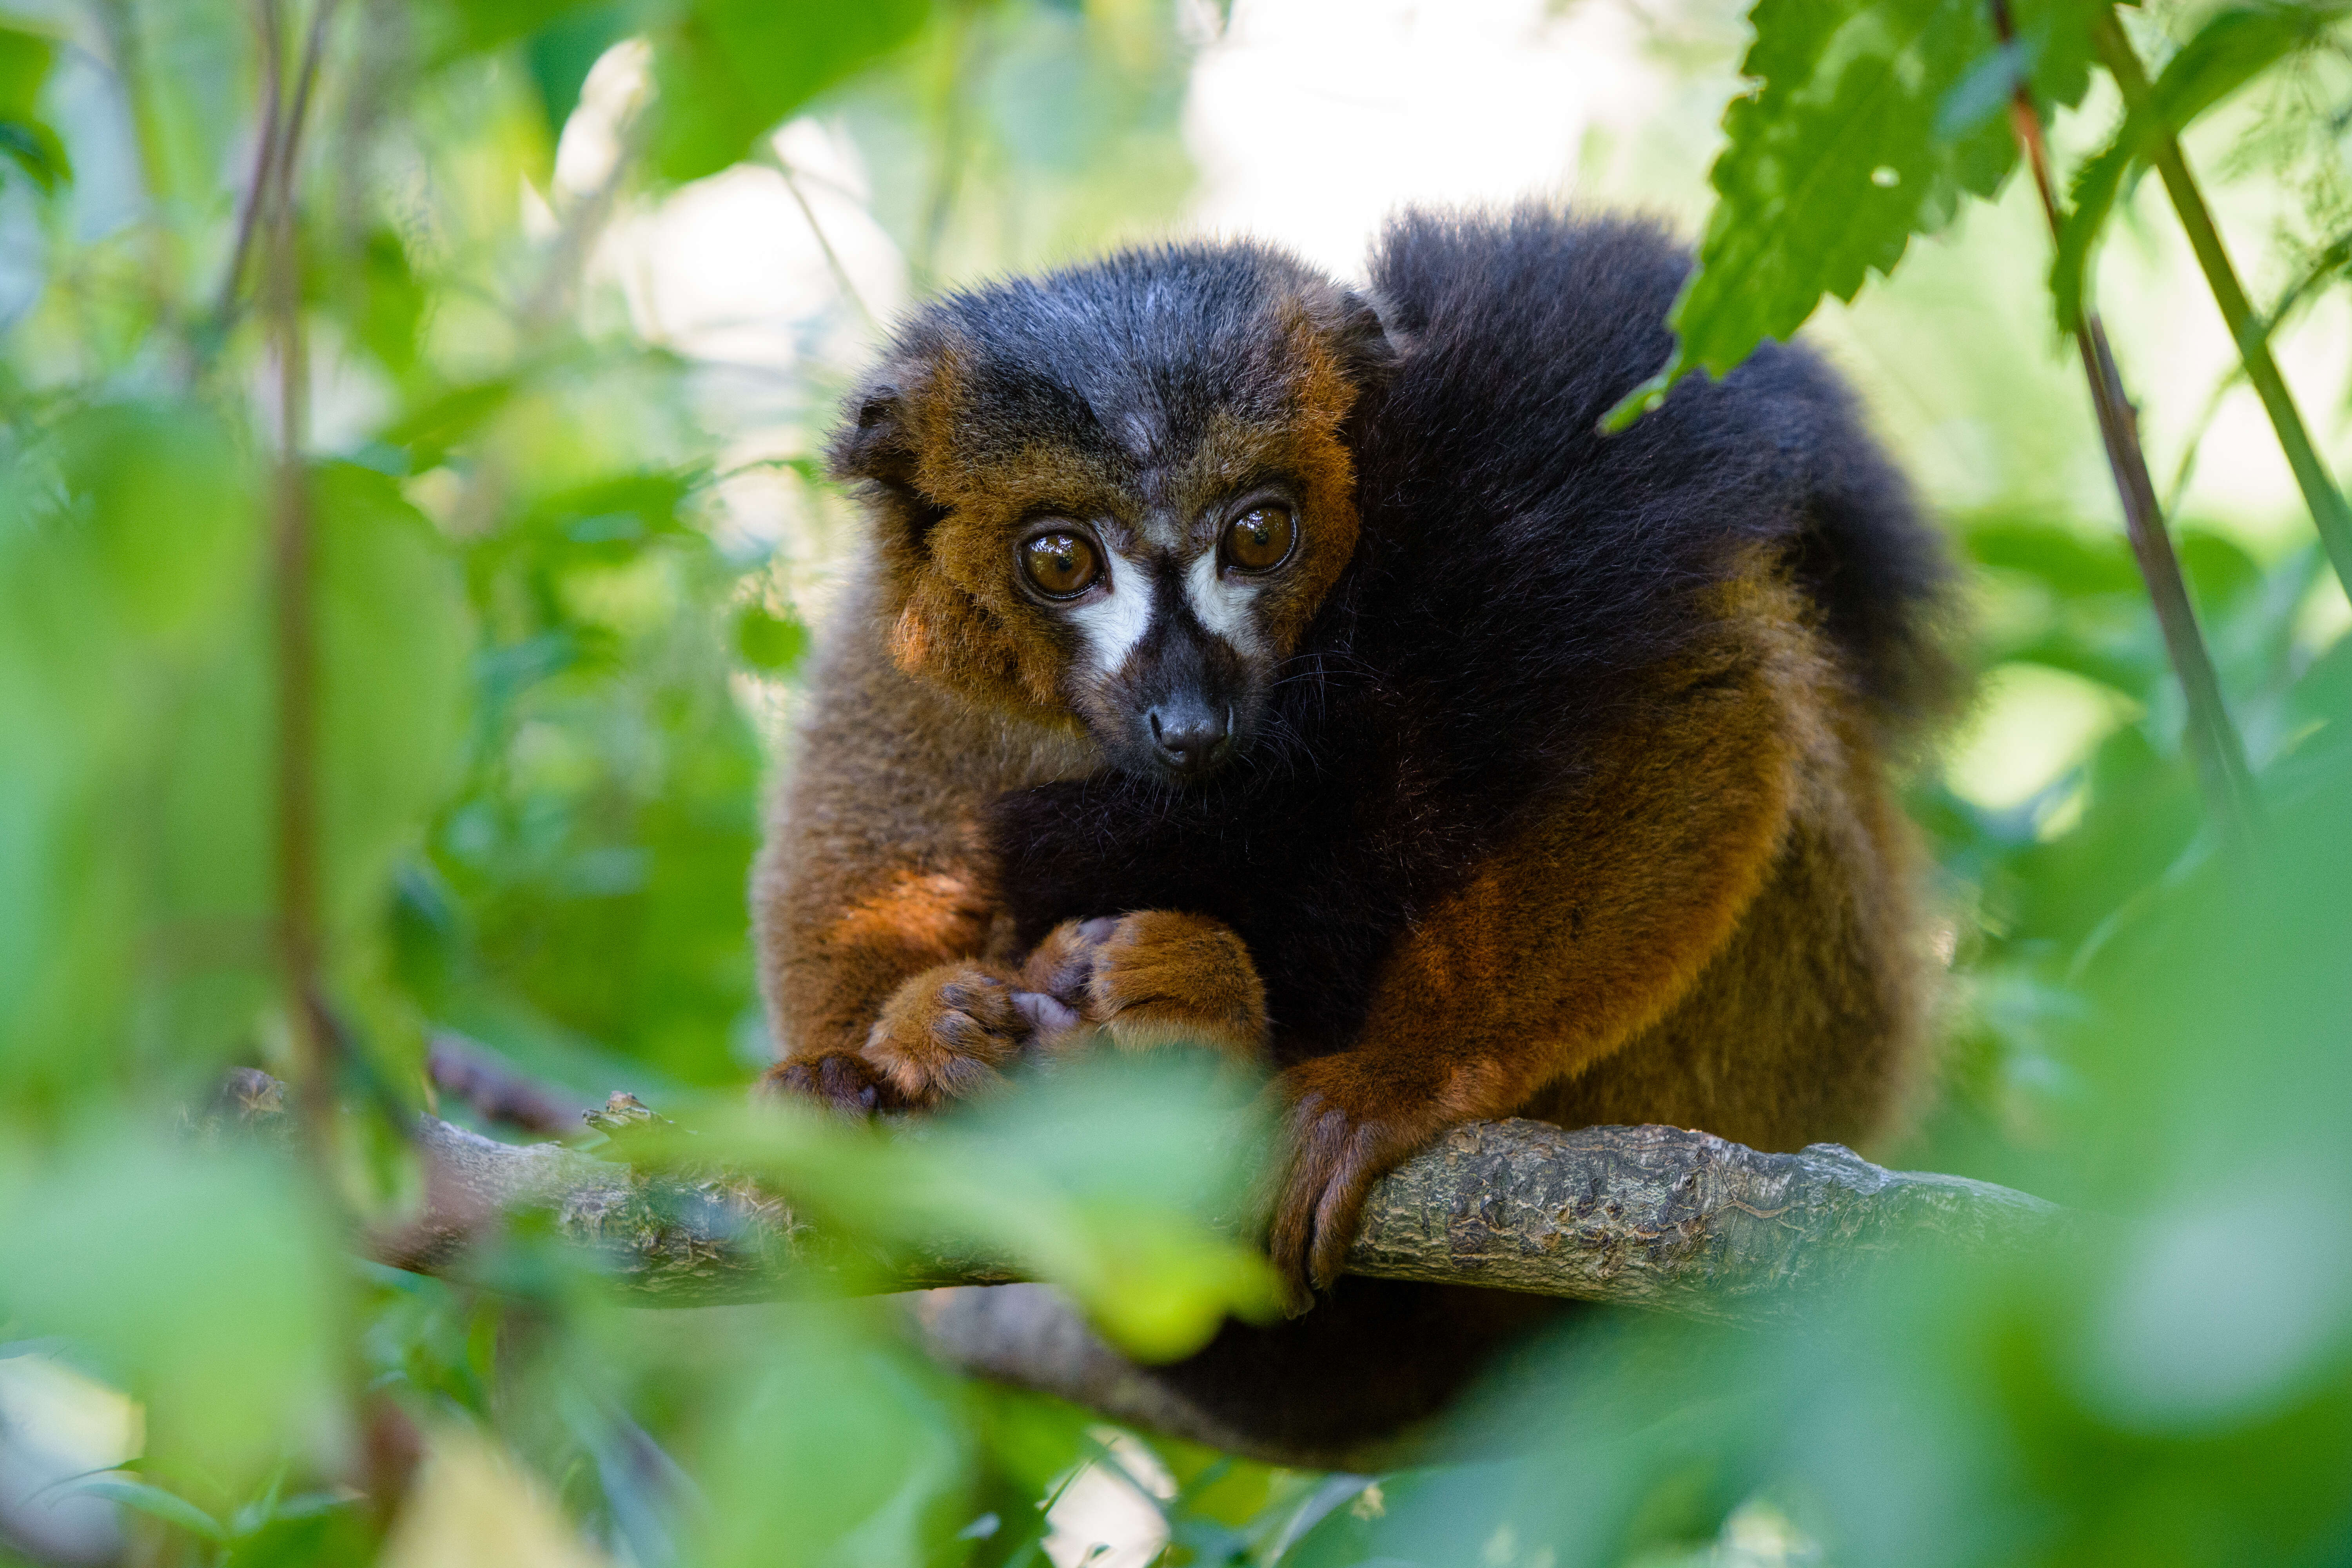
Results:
[1318, 862]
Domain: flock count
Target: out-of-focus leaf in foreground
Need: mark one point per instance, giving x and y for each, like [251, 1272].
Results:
[201, 1281]
[1870, 121]
[1120, 1180]
[474, 1507]
[837, 1447]
[128, 543]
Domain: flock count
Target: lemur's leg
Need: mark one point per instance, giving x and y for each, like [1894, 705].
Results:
[1153, 978]
[1558, 947]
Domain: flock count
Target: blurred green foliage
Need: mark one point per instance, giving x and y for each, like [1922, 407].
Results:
[548, 642]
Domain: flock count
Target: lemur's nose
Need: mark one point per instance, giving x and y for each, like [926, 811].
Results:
[1191, 735]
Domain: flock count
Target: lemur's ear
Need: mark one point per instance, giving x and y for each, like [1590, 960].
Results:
[875, 443]
[1369, 347]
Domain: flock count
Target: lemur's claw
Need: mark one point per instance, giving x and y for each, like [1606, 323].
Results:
[1336, 1150]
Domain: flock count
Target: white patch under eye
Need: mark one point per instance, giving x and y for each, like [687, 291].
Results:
[1222, 602]
[1114, 623]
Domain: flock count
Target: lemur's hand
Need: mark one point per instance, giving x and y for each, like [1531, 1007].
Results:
[945, 1032]
[942, 1035]
[1155, 978]
[1349, 1121]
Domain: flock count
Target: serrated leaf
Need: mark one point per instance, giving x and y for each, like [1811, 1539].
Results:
[1869, 121]
[2230, 50]
[155, 1502]
[730, 69]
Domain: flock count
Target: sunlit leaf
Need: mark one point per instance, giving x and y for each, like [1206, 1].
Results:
[1871, 120]
[1121, 1181]
[727, 70]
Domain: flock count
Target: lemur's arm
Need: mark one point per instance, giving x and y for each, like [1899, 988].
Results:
[872, 898]
[1560, 947]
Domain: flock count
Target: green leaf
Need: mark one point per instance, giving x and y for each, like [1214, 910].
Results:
[2230, 50]
[200, 1284]
[1109, 1178]
[562, 52]
[2071, 564]
[395, 642]
[129, 547]
[25, 141]
[770, 643]
[1871, 119]
[730, 69]
[429, 432]
[169, 1507]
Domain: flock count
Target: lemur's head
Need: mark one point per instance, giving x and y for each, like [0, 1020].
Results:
[1115, 496]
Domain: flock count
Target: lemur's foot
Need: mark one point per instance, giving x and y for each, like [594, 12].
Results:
[1155, 978]
[1347, 1126]
[945, 1032]
[839, 1081]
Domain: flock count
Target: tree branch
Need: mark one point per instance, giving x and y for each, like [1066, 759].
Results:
[1650, 1216]
[1656, 1217]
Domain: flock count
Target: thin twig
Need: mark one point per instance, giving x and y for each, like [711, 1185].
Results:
[2329, 512]
[2213, 738]
[832, 259]
[2331, 259]
[277, 149]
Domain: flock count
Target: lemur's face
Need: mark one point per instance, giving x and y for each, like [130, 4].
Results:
[1118, 497]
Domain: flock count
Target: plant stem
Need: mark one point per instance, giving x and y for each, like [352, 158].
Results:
[2248, 330]
[296, 631]
[2213, 739]
[278, 147]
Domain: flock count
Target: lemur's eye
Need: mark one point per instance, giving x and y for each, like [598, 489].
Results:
[1260, 539]
[1060, 565]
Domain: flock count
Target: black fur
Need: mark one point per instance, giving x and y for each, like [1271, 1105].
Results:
[1516, 571]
